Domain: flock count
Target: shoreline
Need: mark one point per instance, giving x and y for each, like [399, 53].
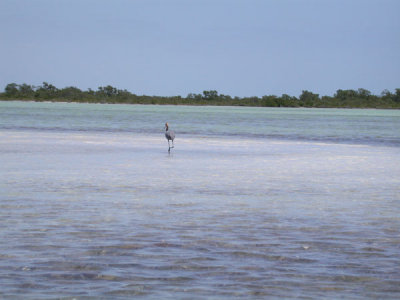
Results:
[197, 104]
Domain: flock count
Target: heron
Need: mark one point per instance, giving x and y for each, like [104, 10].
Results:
[170, 136]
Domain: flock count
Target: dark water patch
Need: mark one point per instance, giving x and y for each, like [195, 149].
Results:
[67, 266]
[289, 259]
[129, 291]
[37, 247]
[7, 256]
[166, 245]
[349, 278]
[125, 250]
[66, 277]
[125, 266]
[125, 246]
[331, 288]
[173, 279]
[31, 286]
[352, 268]
[108, 277]
[204, 259]
[187, 267]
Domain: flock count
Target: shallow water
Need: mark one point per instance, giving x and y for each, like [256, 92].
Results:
[99, 209]
[354, 126]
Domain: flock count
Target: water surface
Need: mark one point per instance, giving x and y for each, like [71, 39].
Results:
[251, 203]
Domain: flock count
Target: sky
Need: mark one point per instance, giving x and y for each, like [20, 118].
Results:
[176, 47]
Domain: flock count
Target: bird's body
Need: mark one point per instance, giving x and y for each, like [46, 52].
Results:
[170, 136]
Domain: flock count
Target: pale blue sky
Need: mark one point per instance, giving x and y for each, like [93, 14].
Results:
[176, 47]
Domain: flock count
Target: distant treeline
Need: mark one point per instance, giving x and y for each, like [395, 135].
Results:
[360, 98]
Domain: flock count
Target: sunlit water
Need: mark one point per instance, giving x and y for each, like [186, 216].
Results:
[251, 202]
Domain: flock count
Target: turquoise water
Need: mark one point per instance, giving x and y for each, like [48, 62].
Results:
[251, 202]
[333, 125]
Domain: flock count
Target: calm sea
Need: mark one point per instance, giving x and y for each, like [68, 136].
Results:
[251, 203]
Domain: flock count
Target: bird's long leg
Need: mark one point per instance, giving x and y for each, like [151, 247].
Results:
[172, 143]
[169, 147]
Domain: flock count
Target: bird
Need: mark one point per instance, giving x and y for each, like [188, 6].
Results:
[170, 136]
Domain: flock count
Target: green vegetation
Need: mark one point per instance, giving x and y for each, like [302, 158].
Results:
[360, 98]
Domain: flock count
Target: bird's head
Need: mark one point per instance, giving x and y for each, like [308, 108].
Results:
[166, 126]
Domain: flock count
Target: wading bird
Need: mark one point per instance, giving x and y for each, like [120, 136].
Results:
[170, 135]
